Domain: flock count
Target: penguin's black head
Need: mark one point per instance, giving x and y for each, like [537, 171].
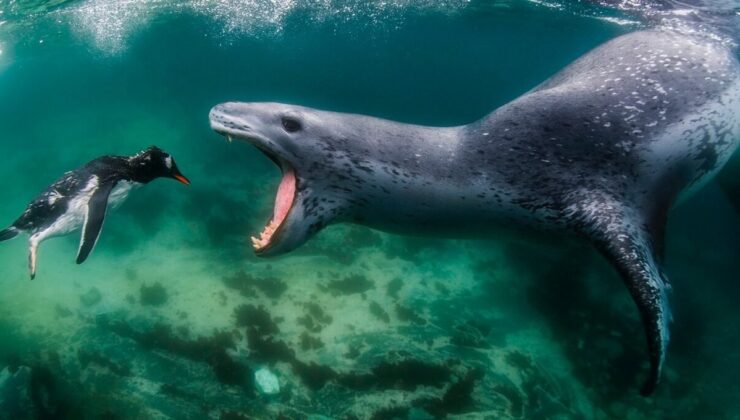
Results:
[153, 163]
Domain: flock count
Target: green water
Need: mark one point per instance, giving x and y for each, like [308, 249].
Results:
[356, 323]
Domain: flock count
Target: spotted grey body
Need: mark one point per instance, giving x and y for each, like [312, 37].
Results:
[80, 199]
[603, 149]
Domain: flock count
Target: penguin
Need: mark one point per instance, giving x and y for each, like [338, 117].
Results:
[79, 199]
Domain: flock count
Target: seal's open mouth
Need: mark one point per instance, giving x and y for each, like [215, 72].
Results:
[283, 203]
[286, 193]
[239, 121]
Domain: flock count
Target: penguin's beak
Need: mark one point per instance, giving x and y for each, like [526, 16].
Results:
[182, 179]
[179, 176]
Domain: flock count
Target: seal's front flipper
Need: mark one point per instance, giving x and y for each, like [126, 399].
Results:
[94, 218]
[632, 255]
[623, 237]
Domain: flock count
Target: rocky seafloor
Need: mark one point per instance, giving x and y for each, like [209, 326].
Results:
[355, 325]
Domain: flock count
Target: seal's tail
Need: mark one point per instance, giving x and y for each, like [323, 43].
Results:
[9, 233]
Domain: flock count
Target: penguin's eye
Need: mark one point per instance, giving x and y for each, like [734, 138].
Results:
[291, 125]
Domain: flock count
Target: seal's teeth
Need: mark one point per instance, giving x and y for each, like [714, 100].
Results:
[265, 235]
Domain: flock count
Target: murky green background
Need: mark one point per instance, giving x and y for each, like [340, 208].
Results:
[172, 314]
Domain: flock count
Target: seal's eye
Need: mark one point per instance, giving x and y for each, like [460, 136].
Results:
[291, 125]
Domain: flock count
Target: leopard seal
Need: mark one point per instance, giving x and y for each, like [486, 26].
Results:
[603, 149]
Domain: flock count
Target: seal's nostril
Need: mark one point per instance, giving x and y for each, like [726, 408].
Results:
[218, 111]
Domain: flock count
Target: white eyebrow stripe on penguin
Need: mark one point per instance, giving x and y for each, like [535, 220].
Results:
[168, 162]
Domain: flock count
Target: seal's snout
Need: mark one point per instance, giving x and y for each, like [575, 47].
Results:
[215, 117]
[225, 120]
[226, 109]
[218, 115]
[215, 112]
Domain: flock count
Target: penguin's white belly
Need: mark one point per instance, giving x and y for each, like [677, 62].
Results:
[120, 192]
[74, 218]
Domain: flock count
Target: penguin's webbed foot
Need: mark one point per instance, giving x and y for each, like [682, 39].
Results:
[33, 246]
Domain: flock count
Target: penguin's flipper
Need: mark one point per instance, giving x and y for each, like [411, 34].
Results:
[8, 233]
[625, 239]
[94, 218]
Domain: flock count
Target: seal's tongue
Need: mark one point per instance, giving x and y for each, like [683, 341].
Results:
[284, 198]
[283, 203]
